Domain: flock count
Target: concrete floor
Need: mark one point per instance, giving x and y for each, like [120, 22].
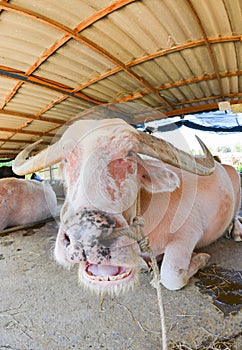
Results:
[43, 308]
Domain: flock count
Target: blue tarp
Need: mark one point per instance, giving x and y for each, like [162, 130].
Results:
[219, 122]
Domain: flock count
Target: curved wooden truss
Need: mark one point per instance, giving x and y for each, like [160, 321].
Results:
[181, 95]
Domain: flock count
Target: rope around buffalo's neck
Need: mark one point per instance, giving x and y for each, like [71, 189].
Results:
[137, 233]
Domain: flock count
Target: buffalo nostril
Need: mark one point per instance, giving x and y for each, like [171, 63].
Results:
[67, 239]
[84, 255]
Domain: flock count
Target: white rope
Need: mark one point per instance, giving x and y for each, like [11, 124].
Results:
[143, 242]
[136, 232]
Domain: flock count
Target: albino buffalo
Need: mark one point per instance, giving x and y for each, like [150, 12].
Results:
[187, 202]
[24, 202]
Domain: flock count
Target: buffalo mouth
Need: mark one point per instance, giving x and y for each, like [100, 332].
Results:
[107, 278]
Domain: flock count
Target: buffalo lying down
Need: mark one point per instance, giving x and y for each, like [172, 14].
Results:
[25, 201]
[187, 202]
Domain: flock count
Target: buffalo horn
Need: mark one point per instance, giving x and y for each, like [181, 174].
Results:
[165, 151]
[23, 165]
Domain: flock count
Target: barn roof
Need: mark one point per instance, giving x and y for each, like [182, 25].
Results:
[61, 57]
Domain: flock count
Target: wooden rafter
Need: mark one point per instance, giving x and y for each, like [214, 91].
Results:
[197, 108]
[89, 43]
[127, 98]
[9, 155]
[66, 92]
[96, 17]
[31, 116]
[15, 74]
[176, 84]
[27, 132]
[92, 19]
[210, 98]
[186, 46]
[5, 140]
[60, 43]
[144, 59]
[123, 99]
[115, 70]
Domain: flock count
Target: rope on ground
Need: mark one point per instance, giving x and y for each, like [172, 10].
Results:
[136, 232]
[143, 242]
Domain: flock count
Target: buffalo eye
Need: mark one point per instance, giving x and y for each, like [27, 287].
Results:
[130, 153]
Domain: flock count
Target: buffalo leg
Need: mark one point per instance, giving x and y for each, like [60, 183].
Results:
[179, 266]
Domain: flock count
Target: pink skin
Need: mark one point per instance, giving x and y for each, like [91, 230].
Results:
[182, 211]
[25, 201]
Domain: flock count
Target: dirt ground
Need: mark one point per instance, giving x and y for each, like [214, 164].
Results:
[43, 308]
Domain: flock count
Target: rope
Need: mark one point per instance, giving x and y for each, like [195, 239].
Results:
[144, 245]
[136, 232]
[143, 241]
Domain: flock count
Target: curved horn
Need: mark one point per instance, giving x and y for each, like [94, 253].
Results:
[165, 151]
[23, 165]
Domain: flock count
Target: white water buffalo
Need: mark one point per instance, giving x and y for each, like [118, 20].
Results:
[24, 202]
[187, 202]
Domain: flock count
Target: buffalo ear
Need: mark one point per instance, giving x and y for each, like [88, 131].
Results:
[155, 177]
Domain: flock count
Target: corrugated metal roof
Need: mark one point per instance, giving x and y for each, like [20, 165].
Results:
[59, 58]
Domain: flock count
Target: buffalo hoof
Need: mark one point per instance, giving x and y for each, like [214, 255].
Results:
[237, 230]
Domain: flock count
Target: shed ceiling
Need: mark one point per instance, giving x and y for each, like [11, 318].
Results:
[61, 57]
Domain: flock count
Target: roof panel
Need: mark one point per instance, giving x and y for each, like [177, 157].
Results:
[73, 65]
[62, 12]
[11, 121]
[37, 125]
[219, 17]
[226, 62]
[5, 134]
[31, 99]
[67, 109]
[118, 85]
[161, 29]
[6, 86]
[57, 59]
[23, 40]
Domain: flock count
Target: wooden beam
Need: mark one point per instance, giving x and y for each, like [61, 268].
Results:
[196, 109]
[185, 46]
[102, 13]
[158, 54]
[6, 149]
[168, 86]
[82, 39]
[12, 73]
[143, 59]
[11, 94]
[27, 132]
[198, 79]
[92, 19]
[229, 97]
[31, 116]
[22, 141]
[8, 154]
